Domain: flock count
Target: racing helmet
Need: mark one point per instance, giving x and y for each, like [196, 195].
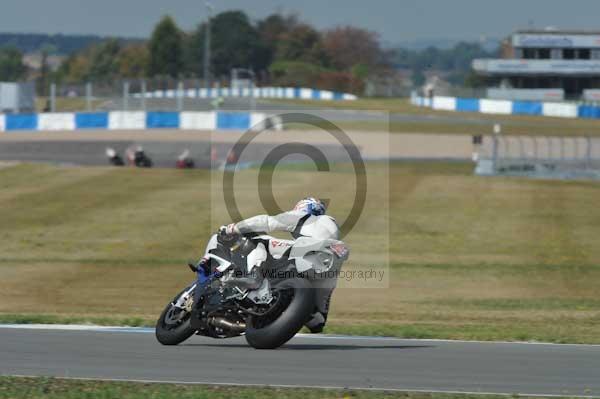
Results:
[311, 206]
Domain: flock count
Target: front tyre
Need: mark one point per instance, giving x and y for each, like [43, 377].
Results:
[174, 324]
[294, 304]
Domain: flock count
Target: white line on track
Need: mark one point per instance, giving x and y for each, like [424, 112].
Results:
[146, 330]
[324, 387]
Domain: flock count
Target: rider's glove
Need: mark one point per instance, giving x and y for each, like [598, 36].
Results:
[228, 230]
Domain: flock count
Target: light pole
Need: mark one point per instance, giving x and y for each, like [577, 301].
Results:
[207, 79]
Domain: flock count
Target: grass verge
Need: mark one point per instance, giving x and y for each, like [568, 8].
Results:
[50, 388]
[464, 257]
[448, 122]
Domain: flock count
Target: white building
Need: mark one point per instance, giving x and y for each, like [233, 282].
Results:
[545, 65]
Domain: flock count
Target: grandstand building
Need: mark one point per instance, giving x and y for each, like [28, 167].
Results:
[545, 65]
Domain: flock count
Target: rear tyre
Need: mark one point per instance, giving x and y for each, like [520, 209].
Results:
[174, 324]
[294, 304]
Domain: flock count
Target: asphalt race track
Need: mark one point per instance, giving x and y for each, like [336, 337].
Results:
[313, 361]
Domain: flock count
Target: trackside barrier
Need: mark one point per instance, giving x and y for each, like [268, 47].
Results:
[588, 111]
[499, 107]
[467, 104]
[162, 120]
[134, 120]
[527, 108]
[559, 110]
[444, 103]
[21, 122]
[197, 121]
[506, 107]
[53, 122]
[256, 92]
[233, 120]
[123, 120]
[96, 120]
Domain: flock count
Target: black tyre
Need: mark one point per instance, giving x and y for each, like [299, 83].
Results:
[174, 324]
[294, 305]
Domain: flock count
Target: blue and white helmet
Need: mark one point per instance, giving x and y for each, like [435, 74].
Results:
[312, 206]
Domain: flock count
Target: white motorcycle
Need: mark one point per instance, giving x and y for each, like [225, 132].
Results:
[253, 285]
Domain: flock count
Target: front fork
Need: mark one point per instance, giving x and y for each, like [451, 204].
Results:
[191, 295]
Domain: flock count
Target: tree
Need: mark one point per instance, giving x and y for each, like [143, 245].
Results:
[166, 51]
[133, 61]
[235, 43]
[104, 65]
[295, 73]
[74, 69]
[418, 77]
[97, 63]
[11, 65]
[274, 26]
[474, 80]
[302, 43]
[348, 46]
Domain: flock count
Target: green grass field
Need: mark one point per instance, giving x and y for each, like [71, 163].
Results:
[51, 388]
[66, 104]
[452, 122]
[468, 257]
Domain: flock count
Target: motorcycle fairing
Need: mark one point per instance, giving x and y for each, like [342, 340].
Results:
[312, 253]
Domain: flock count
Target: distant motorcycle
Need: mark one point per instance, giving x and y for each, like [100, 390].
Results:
[238, 294]
[139, 158]
[114, 158]
[184, 161]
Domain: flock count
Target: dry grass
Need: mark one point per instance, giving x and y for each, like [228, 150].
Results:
[67, 104]
[469, 257]
[448, 122]
[49, 388]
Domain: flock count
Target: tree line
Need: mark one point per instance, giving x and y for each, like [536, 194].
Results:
[279, 49]
[456, 61]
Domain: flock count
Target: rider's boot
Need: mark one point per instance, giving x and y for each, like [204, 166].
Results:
[317, 323]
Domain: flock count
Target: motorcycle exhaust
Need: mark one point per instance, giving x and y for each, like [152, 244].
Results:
[226, 325]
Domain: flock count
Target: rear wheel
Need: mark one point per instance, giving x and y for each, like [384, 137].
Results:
[174, 324]
[293, 306]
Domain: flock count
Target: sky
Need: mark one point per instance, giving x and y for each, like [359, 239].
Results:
[396, 21]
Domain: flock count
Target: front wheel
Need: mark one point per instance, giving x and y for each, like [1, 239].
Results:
[293, 306]
[174, 324]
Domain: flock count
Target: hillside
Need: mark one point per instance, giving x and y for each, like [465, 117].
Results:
[58, 44]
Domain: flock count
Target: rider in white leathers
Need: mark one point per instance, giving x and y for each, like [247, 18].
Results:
[307, 219]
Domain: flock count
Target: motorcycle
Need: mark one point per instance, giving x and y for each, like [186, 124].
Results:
[114, 158]
[138, 158]
[244, 289]
[184, 161]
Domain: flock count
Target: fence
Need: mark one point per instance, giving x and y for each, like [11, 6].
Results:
[170, 95]
[136, 120]
[506, 107]
[548, 157]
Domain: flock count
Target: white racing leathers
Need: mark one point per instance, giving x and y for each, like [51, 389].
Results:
[299, 224]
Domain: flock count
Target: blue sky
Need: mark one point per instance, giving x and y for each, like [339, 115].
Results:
[396, 21]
